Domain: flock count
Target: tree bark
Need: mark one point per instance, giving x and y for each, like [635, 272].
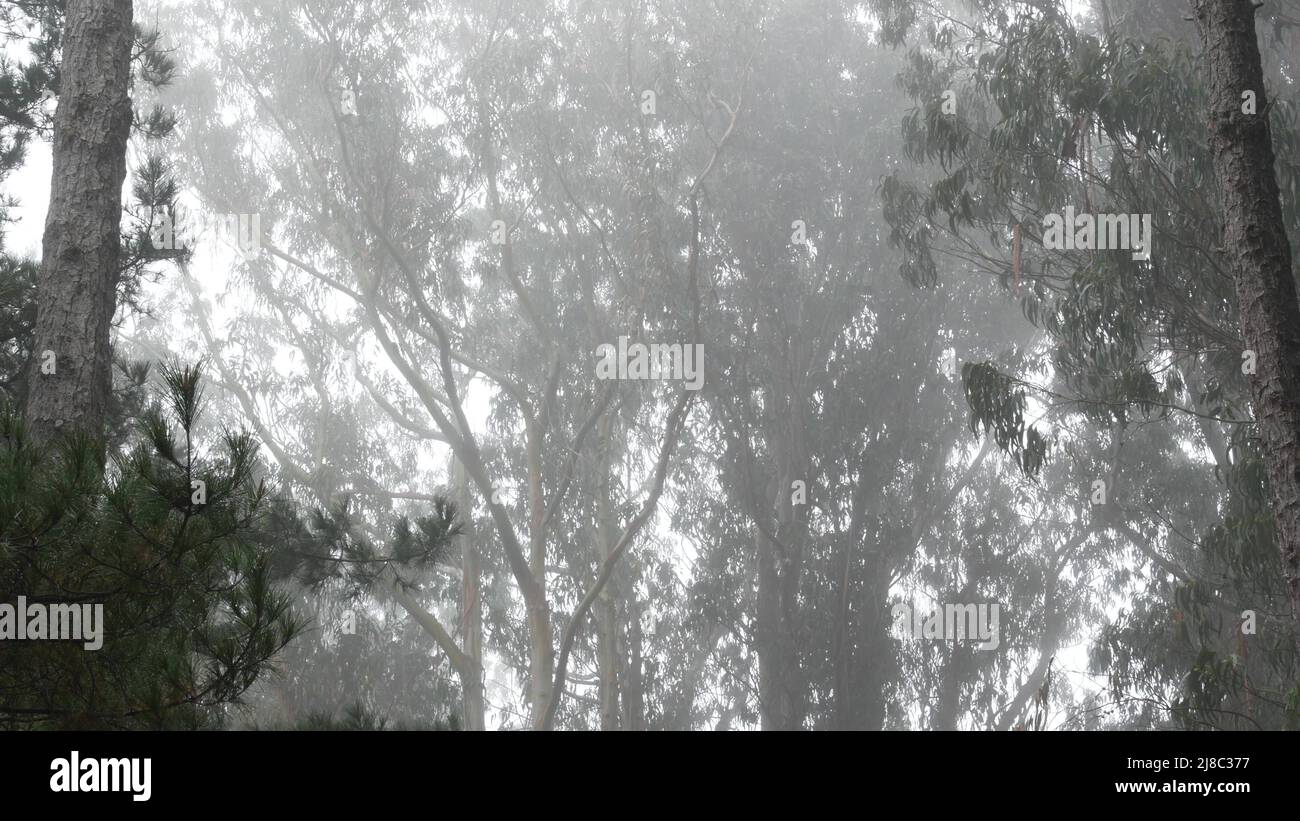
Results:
[632, 685]
[777, 659]
[473, 699]
[81, 246]
[782, 684]
[1256, 245]
[607, 656]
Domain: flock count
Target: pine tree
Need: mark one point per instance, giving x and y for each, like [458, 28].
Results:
[71, 376]
[173, 537]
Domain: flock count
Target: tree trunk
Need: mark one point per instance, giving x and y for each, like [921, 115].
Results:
[781, 682]
[541, 668]
[473, 700]
[633, 686]
[842, 648]
[947, 704]
[71, 371]
[873, 665]
[1255, 242]
[782, 685]
[541, 643]
[606, 606]
[776, 657]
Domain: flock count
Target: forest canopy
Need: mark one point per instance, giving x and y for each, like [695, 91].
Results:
[651, 364]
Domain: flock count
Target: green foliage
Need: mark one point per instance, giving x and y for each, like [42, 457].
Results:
[17, 321]
[24, 84]
[191, 614]
[997, 405]
[1055, 110]
[821, 367]
[330, 544]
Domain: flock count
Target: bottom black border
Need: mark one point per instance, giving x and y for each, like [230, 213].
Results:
[304, 770]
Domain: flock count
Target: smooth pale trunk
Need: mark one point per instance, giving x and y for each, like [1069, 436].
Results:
[474, 698]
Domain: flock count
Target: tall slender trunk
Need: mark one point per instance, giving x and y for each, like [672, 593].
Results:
[842, 648]
[541, 668]
[782, 686]
[632, 686]
[541, 664]
[606, 606]
[955, 673]
[71, 371]
[781, 690]
[1256, 245]
[775, 709]
[473, 705]
[870, 662]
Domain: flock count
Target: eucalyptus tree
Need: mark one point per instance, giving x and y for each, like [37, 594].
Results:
[470, 209]
[1029, 117]
[848, 476]
[430, 211]
[448, 238]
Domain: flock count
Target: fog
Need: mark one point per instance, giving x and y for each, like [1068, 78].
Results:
[672, 365]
